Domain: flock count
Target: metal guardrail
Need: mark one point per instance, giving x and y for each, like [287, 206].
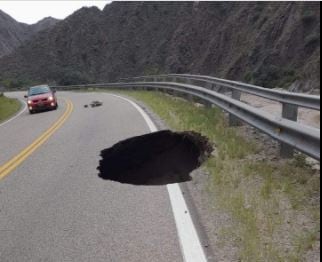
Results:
[213, 83]
[291, 102]
[290, 133]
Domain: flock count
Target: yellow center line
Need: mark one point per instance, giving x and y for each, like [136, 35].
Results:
[12, 164]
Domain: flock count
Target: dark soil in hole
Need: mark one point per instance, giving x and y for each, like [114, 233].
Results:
[159, 158]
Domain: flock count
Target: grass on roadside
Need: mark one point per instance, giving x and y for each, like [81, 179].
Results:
[8, 107]
[275, 206]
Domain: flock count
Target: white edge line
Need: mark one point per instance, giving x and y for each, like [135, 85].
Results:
[191, 247]
[14, 117]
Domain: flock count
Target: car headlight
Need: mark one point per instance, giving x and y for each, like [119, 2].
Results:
[51, 98]
[29, 102]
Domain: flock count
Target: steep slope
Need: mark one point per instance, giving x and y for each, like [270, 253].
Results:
[13, 33]
[43, 24]
[271, 44]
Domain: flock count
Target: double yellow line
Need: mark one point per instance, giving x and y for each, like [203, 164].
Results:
[12, 164]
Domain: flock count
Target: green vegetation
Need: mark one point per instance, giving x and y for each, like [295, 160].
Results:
[309, 17]
[274, 205]
[69, 76]
[14, 83]
[8, 107]
[272, 76]
[313, 40]
[153, 70]
[249, 77]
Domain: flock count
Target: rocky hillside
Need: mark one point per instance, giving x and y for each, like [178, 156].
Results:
[270, 44]
[13, 33]
[43, 24]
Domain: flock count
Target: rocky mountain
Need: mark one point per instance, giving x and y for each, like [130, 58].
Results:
[43, 24]
[273, 44]
[13, 33]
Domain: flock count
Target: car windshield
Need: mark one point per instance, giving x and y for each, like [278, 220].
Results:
[38, 90]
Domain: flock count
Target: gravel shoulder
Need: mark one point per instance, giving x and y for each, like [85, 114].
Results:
[306, 116]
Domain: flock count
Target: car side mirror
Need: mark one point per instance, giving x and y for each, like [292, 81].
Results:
[25, 96]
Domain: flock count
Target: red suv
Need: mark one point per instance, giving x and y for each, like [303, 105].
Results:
[41, 98]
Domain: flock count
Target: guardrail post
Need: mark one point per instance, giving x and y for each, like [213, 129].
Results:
[233, 120]
[209, 86]
[173, 92]
[147, 79]
[289, 112]
[155, 79]
[188, 81]
[189, 97]
[180, 80]
[207, 104]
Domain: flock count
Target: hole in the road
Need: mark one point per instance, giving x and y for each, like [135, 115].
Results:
[159, 158]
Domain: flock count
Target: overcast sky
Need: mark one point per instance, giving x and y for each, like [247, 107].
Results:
[31, 12]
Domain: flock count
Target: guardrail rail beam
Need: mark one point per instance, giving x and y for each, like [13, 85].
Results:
[285, 129]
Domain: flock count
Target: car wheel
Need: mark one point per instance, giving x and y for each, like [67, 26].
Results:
[31, 112]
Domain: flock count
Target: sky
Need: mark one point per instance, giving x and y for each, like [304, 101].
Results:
[30, 12]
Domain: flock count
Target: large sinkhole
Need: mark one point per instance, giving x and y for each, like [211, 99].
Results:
[158, 158]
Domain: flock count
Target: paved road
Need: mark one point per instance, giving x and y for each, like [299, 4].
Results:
[53, 207]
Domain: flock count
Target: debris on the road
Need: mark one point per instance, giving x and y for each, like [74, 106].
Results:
[96, 103]
[86, 106]
[158, 158]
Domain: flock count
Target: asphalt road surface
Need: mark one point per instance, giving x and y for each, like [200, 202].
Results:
[54, 207]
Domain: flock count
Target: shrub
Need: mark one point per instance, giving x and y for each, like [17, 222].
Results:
[72, 77]
[153, 70]
[309, 17]
[14, 83]
[272, 76]
[249, 77]
[313, 40]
